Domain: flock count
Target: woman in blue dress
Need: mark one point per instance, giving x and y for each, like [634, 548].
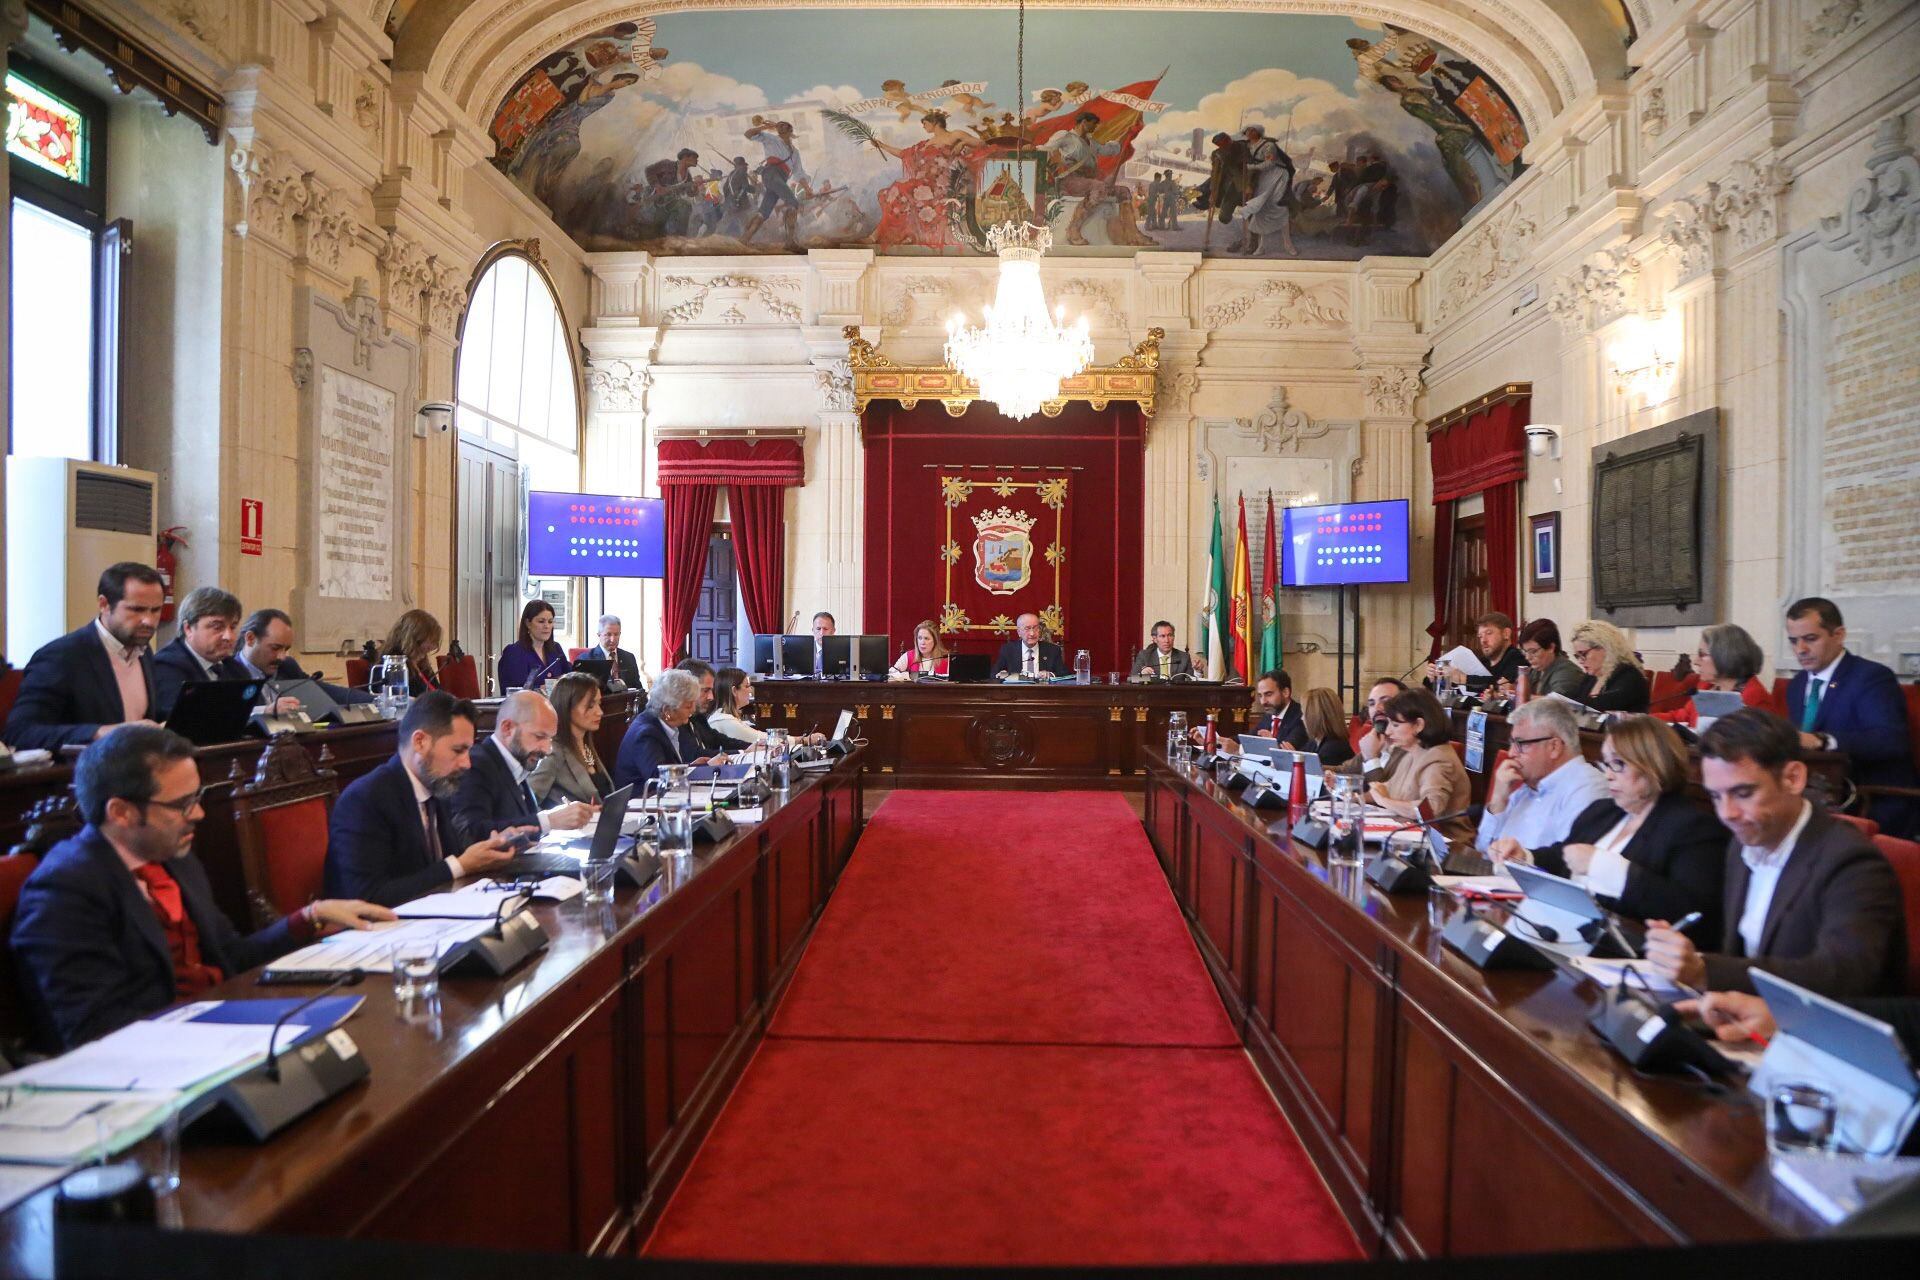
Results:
[536, 657]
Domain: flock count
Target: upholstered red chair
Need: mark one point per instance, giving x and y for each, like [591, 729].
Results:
[1913, 720]
[281, 818]
[573, 655]
[1905, 857]
[1868, 827]
[1668, 685]
[9, 690]
[1780, 694]
[459, 676]
[50, 820]
[1357, 728]
[359, 672]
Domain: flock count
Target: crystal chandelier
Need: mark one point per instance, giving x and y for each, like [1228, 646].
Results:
[1020, 355]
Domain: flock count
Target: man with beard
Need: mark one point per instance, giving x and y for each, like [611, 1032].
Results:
[118, 922]
[494, 794]
[80, 686]
[710, 740]
[392, 836]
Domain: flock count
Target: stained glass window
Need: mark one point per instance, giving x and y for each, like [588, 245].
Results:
[46, 132]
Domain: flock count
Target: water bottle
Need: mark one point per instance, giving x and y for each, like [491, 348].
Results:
[779, 761]
[1213, 731]
[1083, 667]
[1297, 791]
[1176, 737]
[1522, 687]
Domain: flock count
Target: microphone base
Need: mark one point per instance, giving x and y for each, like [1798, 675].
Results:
[309, 1074]
[1312, 832]
[359, 713]
[1652, 1038]
[1485, 945]
[1395, 875]
[487, 956]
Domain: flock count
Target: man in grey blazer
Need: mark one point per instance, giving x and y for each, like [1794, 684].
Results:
[1160, 660]
[1808, 898]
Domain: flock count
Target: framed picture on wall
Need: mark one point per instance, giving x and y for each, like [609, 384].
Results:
[1544, 538]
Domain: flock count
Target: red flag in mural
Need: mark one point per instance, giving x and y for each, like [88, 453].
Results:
[1120, 121]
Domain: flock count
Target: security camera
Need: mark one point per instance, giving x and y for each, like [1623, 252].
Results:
[436, 415]
[1543, 440]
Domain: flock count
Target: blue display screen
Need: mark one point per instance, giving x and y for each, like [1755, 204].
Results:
[595, 535]
[1351, 542]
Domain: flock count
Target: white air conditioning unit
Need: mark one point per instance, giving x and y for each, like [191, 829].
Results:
[66, 521]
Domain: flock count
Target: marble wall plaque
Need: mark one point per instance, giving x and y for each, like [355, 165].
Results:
[354, 512]
[1871, 461]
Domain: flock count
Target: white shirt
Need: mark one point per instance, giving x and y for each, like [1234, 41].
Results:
[1542, 813]
[728, 725]
[1763, 876]
[519, 773]
[420, 797]
[1607, 874]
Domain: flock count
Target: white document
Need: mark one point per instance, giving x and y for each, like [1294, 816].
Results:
[66, 1127]
[1465, 661]
[466, 904]
[150, 1055]
[1608, 972]
[755, 814]
[371, 950]
[1501, 883]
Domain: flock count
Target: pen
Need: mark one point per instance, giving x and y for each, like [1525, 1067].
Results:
[1686, 922]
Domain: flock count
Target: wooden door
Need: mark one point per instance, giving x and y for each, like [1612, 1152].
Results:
[1470, 593]
[712, 639]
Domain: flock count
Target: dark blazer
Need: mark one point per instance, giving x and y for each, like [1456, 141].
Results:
[175, 667]
[376, 848]
[1289, 726]
[1678, 857]
[1181, 662]
[1507, 668]
[709, 739]
[519, 662]
[289, 671]
[1626, 690]
[1865, 711]
[1333, 752]
[1052, 660]
[68, 691]
[91, 955]
[489, 799]
[625, 665]
[1836, 923]
[648, 744]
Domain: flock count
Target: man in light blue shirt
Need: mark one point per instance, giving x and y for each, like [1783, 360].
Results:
[1542, 785]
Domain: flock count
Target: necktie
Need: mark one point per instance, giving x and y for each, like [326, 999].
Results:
[1166, 665]
[434, 855]
[526, 796]
[164, 890]
[1811, 711]
[1032, 668]
[819, 657]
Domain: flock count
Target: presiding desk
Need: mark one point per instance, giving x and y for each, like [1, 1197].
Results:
[552, 1109]
[931, 733]
[1451, 1110]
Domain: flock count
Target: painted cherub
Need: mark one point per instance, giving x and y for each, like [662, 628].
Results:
[966, 101]
[897, 97]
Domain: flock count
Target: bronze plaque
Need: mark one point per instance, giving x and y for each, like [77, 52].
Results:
[1647, 547]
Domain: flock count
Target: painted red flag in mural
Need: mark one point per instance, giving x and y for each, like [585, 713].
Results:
[1119, 121]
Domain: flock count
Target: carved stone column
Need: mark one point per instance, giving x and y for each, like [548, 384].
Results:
[826, 552]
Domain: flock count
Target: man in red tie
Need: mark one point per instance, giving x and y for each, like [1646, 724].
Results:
[119, 921]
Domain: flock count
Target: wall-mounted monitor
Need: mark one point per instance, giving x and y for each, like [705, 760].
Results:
[595, 535]
[1345, 544]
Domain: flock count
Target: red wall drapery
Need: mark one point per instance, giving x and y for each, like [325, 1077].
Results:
[1484, 452]
[1101, 449]
[757, 474]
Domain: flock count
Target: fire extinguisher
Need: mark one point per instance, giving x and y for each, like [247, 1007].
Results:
[165, 561]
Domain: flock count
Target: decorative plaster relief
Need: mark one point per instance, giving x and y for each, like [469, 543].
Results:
[833, 379]
[447, 296]
[1300, 306]
[363, 319]
[302, 368]
[1279, 428]
[272, 191]
[1748, 199]
[1104, 308]
[1832, 22]
[768, 292]
[912, 295]
[1689, 233]
[1597, 293]
[1391, 394]
[1883, 212]
[618, 387]
[202, 19]
[1653, 112]
[1489, 256]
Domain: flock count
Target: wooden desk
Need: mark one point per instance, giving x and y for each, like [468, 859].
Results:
[1451, 1110]
[978, 735]
[553, 1109]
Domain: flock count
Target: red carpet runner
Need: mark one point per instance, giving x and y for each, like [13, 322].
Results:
[1001, 1048]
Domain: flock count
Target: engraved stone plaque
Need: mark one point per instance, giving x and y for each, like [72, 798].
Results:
[1655, 524]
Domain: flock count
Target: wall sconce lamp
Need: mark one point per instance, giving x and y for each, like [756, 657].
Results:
[1543, 440]
[1645, 356]
[435, 417]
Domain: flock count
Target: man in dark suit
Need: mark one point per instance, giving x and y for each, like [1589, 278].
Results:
[708, 739]
[80, 686]
[1029, 656]
[823, 626]
[626, 667]
[660, 734]
[209, 629]
[1807, 898]
[1275, 715]
[266, 641]
[118, 922]
[1841, 701]
[392, 836]
[494, 793]
[1160, 660]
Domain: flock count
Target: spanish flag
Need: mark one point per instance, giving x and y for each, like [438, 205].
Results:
[1243, 650]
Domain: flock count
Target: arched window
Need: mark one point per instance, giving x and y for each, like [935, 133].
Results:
[517, 408]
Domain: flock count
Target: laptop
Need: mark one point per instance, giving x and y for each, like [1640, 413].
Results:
[1256, 747]
[606, 835]
[214, 711]
[969, 668]
[1856, 1058]
[600, 669]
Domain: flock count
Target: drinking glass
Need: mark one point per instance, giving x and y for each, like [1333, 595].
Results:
[596, 884]
[1801, 1118]
[416, 971]
[159, 1153]
[675, 790]
[780, 760]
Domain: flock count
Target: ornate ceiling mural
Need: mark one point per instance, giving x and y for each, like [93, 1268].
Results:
[1264, 135]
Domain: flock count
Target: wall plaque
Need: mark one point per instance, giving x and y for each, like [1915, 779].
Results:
[1656, 524]
[354, 520]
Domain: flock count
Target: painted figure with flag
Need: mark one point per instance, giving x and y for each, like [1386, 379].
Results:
[1243, 648]
[1270, 641]
[1087, 148]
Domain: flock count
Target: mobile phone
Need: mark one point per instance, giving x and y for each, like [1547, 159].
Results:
[521, 840]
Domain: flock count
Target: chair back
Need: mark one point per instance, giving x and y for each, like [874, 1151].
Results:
[1868, 827]
[573, 655]
[359, 672]
[1668, 685]
[460, 676]
[281, 817]
[16, 1023]
[9, 690]
[1780, 684]
[1912, 691]
[1357, 728]
[1905, 857]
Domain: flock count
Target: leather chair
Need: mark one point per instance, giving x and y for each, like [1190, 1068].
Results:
[50, 820]
[459, 676]
[1868, 827]
[1905, 857]
[9, 690]
[280, 816]
[1668, 685]
[359, 672]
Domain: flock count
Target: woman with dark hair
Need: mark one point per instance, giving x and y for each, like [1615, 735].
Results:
[573, 768]
[1430, 780]
[416, 637]
[536, 657]
[1647, 850]
[1726, 660]
[732, 695]
[1550, 669]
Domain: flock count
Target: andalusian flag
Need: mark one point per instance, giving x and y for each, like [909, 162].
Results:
[1270, 598]
[1242, 602]
[1213, 628]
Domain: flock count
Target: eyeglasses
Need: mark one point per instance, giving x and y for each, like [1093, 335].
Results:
[183, 806]
[1614, 765]
[1580, 655]
[1531, 651]
[1514, 744]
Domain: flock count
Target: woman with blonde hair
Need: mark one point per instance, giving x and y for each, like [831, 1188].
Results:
[1326, 727]
[928, 657]
[416, 637]
[1615, 680]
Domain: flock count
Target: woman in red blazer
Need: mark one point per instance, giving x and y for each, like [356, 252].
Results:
[928, 657]
[1727, 659]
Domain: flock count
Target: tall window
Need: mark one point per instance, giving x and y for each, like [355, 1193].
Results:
[65, 299]
[517, 388]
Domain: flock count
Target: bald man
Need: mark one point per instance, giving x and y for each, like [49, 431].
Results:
[494, 794]
[1029, 657]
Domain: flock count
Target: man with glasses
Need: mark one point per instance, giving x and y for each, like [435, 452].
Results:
[119, 921]
[1542, 785]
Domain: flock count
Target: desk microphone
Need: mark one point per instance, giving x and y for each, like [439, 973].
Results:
[793, 623]
[345, 979]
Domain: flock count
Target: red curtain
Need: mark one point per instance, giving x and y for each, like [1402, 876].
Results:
[1100, 450]
[1442, 574]
[760, 544]
[689, 526]
[757, 474]
[1484, 452]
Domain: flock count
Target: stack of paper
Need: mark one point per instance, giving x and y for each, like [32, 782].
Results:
[1648, 980]
[150, 1055]
[371, 950]
[70, 1126]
